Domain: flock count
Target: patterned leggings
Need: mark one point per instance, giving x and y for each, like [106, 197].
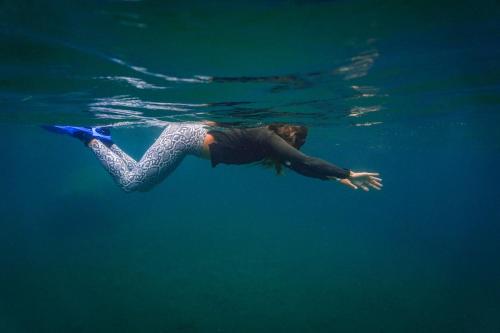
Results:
[161, 159]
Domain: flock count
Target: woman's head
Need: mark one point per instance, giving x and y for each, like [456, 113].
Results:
[295, 135]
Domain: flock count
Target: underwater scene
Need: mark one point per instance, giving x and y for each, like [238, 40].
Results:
[406, 89]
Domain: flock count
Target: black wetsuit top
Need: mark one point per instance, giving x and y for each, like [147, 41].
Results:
[242, 146]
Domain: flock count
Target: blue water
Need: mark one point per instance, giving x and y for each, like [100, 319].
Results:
[408, 89]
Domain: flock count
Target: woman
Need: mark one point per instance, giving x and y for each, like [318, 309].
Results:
[276, 144]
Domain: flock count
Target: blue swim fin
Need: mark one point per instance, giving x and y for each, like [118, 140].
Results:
[84, 134]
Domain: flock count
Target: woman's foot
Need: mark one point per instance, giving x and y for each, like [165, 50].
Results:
[84, 134]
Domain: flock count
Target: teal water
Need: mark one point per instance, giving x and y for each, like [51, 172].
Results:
[409, 89]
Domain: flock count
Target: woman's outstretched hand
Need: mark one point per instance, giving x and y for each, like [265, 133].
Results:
[363, 180]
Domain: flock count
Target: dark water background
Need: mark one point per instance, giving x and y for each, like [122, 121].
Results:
[409, 89]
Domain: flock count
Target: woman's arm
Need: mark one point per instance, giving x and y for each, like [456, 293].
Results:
[299, 162]
[317, 168]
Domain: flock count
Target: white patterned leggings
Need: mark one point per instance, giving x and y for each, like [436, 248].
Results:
[161, 159]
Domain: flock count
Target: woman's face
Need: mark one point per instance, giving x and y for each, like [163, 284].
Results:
[294, 135]
[299, 140]
[298, 137]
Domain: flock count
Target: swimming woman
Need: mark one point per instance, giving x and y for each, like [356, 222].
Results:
[275, 144]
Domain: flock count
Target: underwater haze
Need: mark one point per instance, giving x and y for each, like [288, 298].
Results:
[410, 89]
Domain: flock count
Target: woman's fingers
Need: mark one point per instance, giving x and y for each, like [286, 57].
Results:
[372, 174]
[351, 185]
[375, 180]
[365, 188]
[363, 180]
[347, 182]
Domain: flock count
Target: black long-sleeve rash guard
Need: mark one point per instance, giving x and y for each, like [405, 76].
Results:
[242, 146]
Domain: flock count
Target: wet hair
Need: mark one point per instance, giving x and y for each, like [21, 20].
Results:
[294, 135]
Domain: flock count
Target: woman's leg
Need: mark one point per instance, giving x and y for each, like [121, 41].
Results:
[129, 161]
[174, 143]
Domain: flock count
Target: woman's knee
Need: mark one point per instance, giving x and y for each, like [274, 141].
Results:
[136, 187]
[129, 186]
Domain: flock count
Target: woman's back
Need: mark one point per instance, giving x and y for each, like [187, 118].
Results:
[239, 145]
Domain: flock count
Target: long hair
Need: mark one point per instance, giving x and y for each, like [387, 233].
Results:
[294, 135]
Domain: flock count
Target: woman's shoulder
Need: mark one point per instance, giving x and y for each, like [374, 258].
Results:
[258, 134]
[242, 134]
